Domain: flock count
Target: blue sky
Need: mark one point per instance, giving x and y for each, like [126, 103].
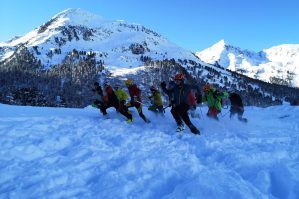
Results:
[192, 24]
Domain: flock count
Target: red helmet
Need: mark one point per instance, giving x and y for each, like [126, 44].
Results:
[207, 87]
[179, 76]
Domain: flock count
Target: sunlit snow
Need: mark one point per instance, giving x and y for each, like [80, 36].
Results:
[77, 153]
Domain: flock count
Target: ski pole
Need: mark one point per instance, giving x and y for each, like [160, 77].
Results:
[141, 103]
[222, 115]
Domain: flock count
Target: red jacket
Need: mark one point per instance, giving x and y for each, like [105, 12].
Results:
[109, 95]
[135, 91]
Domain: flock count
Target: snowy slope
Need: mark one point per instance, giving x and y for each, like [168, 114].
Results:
[111, 40]
[76, 153]
[277, 61]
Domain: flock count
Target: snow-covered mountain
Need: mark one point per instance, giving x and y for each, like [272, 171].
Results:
[79, 48]
[278, 64]
[117, 43]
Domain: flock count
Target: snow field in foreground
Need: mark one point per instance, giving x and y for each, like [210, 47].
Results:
[77, 153]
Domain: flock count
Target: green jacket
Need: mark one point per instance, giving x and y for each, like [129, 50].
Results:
[157, 99]
[214, 98]
[121, 94]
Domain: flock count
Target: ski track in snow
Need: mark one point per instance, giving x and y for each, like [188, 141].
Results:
[76, 153]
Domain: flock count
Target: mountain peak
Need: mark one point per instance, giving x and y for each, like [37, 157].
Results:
[72, 12]
[77, 16]
[69, 11]
[212, 54]
[219, 46]
[220, 43]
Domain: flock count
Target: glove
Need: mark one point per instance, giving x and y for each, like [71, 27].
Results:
[193, 107]
[163, 85]
[199, 98]
[134, 99]
[172, 103]
[123, 102]
[105, 98]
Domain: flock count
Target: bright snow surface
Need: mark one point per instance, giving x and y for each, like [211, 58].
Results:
[77, 153]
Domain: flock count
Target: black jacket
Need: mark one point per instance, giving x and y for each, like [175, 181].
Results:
[235, 100]
[178, 94]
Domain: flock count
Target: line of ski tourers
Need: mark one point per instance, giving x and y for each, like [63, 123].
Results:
[183, 98]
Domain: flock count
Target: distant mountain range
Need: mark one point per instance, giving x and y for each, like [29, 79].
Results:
[279, 64]
[122, 45]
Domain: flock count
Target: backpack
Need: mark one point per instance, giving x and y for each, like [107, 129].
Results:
[217, 94]
[191, 99]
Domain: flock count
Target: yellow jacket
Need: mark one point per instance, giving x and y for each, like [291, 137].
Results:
[121, 94]
[157, 99]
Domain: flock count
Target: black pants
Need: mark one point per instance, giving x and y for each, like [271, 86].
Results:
[98, 103]
[138, 106]
[121, 109]
[236, 110]
[180, 113]
[155, 108]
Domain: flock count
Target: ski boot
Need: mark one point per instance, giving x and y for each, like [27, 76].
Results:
[194, 130]
[129, 121]
[147, 120]
[180, 128]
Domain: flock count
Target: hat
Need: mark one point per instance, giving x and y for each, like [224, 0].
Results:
[207, 87]
[128, 82]
[179, 76]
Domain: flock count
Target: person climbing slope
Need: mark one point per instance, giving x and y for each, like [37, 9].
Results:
[111, 100]
[135, 94]
[236, 106]
[213, 98]
[180, 96]
[156, 100]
